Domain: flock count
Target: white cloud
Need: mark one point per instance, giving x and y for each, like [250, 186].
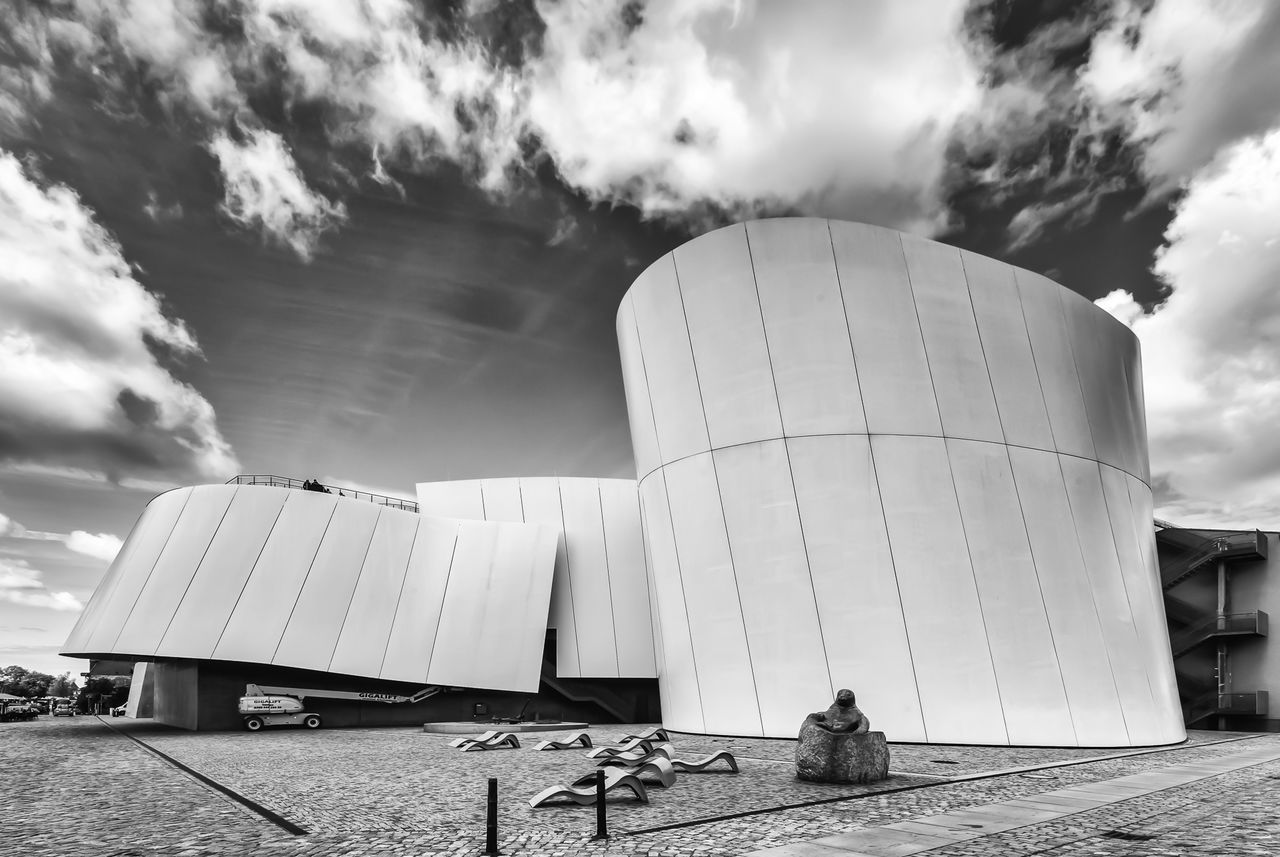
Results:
[1187, 77]
[701, 102]
[79, 336]
[103, 546]
[265, 190]
[1211, 352]
[678, 107]
[20, 584]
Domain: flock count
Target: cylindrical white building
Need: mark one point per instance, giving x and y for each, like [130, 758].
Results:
[870, 460]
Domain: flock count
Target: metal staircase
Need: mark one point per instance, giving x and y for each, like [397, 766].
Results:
[1206, 693]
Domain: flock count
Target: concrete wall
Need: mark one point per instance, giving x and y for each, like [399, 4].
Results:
[870, 460]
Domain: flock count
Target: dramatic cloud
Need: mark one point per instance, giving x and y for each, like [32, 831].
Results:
[1186, 77]
[1211, 352]
[266, 191]
[685, 109]
[838, 108]
[20, 584]
[83, 345]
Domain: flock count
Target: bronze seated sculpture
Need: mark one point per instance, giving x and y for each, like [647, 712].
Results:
[843, 715]
[837, 746]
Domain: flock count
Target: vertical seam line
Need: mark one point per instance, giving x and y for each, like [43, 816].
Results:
[715, 474]
[249, 576]
[568, 576]
[444, 597]
[359, 574]
[608, 577]
[875, 476]
[786, 451]
[666, 493]
[178, 606]
[303, 584]
[395, 611]
[155, 562]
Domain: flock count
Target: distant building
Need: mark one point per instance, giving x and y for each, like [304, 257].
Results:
[864, 459]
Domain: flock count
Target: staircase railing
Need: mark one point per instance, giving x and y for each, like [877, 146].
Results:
[1230, 543]
[1251, 704]
[1253, 622]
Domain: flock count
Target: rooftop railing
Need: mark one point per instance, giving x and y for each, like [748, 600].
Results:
[342, 491]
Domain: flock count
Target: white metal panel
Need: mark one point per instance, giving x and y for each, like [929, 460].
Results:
[725, 678]
[312, 632]
[542, 506]
[1032, 695]
[417, 610]
[893, 372]
[805, 324]
[495, 607]
[852, 567]
[681, 426]
[253, 632]
[678, 679]
[216, 587]
[100, 624]
[725, 328]
[998, 309]
[628, 580]
[362, 642]
[1099, 355]
[956, 360]
[1151, 654]
[635, 384]
[502, 500]
[174, 570]
[1055, 363]
[1097, 544]
[589, 570]
[958, 691]
[788, 651]
[458, 499]
[1137, 409]
[1164, 684]
[1068, 596]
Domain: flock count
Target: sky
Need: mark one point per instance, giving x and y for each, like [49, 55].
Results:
[382, 242]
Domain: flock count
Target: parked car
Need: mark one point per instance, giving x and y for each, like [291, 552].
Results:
[118, 711]
[64, 710]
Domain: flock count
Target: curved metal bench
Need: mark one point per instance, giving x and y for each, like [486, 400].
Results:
[483, 736]
[653, 733]
[627, 760]
[659, 766]
[565, 743]
[615, 778]
[699, 766]
[639, 746]
[501, 739]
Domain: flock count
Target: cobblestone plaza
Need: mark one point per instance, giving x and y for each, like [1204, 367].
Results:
[120, 787]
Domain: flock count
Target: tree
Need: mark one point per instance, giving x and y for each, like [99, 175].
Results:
[103, 692]
[62, 686]
[24, 682]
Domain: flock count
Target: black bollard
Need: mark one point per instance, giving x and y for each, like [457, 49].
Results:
[602, 831]
[491, 822]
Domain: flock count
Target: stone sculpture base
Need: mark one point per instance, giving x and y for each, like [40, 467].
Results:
[841, 757]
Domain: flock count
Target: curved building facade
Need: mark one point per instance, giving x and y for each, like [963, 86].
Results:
[600, 600]
[296, 579]
[870, 460]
